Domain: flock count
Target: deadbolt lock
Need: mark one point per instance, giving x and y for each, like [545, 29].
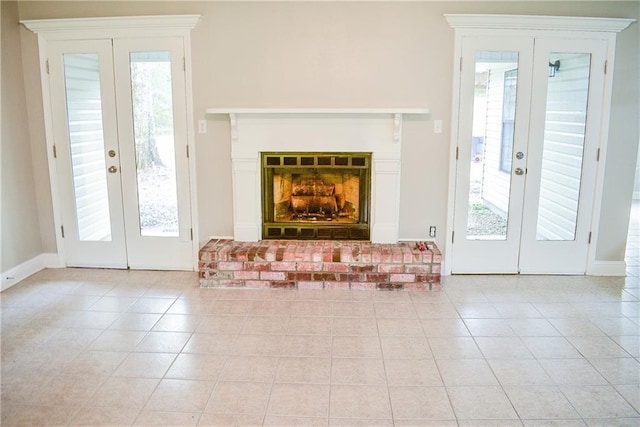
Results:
[111, 153]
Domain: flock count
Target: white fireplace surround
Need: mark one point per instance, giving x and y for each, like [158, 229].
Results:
[256, 130]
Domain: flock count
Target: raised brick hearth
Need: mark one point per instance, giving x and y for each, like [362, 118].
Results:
[319, 264]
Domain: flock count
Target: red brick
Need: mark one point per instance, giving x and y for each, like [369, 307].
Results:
[436, 268]
[272, 275]
[391, 268]
[230, 265]
[404, 278]
[362, 285]
[310, 266]
[390, 286]
[336, 285]
[376, 255]
[310, 285]
[351, 277]
[257, 284]
[246, 275]
[417, 268]
[298, 276]
[377, 277]
[363, 268]
[427, 256]
[337, 267]
[231, 283]
[407, 255]
[257, 266]
[328, 277]
[283, 284]
[416, 286]
[283, 266]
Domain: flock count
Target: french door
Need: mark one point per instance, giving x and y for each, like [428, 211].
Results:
[119, 125]
[528, 135]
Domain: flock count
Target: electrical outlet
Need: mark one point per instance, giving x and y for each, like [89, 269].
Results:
[202, 126]
[432, 231]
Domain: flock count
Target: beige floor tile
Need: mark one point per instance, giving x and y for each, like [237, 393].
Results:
[532, 328]
[440, 310]
[540, 402]
[481, 402]
[357, 371]
[572, 372]
[304, 370]
[454, 348]
[551, 348]
[239, 398]
[390, 310]
[167, 419]
[495, 423]
[420, 403]
[618, 370]
[163, 342]
[145, 365]
[477, 311]
[520, 372]
[630, 343]
[466, 372]
[356, 346]
[220, 344]
[257, 345]
[226, 420]
[517, 310]
[124, 393]
[300, 400]
[416, 347]
[400, 327]
[598, 402]
[151, 305]
[117, 304]
[271, 308]
[306, 345]
[31, 415]
[250, 368]
[191, 306]
[220, 324]
[177, 323]
[354, 326]
[417, 372]
[311, 308]
[631, 393]
[256, 325]
[93, 319]
[180, 396]
[597, 347]
[364, 402]
[308, 326]
[105, 416]
[353, 309]
[205, 367]
[135, 322]
[69, 391]
[230, 307]
[503, 348]
[444, 328]
[360, 422]
[117, 340]
[280, 421]
[91, 363]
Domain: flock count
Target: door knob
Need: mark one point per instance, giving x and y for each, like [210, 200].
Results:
[112, 169]
[518, 171]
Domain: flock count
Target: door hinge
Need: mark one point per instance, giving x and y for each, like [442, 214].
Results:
[456, 153]
[453, 233]
[589, 239]
[606, 63]
[55, 152]
[191, 233]
[62, 230]
[461, 63]
[187, 151]
[598, 155]
[46, 63]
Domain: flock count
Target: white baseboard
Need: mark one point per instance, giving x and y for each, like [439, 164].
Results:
[607, 268]
[22, 271]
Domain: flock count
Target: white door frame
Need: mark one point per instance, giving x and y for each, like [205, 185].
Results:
[112, 28]
[533, 26]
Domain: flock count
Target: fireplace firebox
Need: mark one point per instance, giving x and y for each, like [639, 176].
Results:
[316, 195]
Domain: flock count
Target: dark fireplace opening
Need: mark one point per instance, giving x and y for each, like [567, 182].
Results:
[316, 195]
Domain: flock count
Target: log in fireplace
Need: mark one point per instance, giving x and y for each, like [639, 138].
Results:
[316, 195]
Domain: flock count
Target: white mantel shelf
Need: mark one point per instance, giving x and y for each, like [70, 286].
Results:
[223, 110]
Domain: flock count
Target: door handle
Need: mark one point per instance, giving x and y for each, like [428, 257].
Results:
[112, 169]
[517, 171]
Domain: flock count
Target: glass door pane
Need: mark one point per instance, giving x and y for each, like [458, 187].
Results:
[152, 104]
[562, 153]
[86, 144]
[494, 108]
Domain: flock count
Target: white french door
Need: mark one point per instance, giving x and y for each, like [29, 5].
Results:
[119, 125]
[528, 134]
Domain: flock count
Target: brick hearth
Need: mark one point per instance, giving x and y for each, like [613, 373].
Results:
[319, 264]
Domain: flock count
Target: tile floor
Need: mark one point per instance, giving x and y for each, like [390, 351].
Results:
[100, 347]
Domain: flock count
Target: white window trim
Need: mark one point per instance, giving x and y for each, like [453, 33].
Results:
[536, 26]
[113, 28]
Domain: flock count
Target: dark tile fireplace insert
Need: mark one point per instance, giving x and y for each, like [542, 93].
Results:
[316, 195]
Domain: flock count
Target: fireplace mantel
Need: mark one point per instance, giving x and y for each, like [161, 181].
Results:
[373, 130]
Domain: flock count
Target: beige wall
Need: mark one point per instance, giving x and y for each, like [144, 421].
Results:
[349, 54]
[20, 226]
